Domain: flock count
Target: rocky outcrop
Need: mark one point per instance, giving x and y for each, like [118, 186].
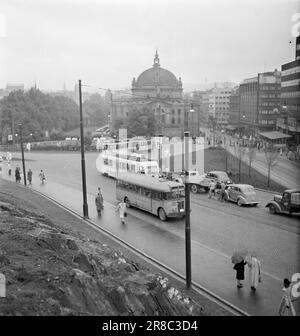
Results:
[50, 271]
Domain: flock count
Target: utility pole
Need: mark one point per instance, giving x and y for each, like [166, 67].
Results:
[85, 205]
[187, 215]
[22, 151]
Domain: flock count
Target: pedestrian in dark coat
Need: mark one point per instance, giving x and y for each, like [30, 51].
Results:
[17, 174]
[240, 272]
[29, 175]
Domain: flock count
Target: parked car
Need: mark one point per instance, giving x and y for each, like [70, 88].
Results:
[242, 194]
[287, 203]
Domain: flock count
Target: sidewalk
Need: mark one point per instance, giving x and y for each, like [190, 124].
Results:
[210, 268]
[286, 172]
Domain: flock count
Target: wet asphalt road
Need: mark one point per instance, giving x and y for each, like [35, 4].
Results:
[217, 230]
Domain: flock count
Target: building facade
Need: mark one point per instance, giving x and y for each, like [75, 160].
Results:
[157, 91]
[260, 101]
[234, 109]
[289, 120]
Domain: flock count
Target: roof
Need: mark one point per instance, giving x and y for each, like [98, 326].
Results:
[292, 190]
[156, 76]
[149, 182]
[275, 135]
[241, 185]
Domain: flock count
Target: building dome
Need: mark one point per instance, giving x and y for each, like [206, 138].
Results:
[156, 76]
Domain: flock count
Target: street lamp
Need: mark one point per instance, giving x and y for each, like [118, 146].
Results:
[22, 151]
[187, 214]
[85, 205]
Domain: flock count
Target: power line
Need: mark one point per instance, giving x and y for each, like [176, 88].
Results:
[156, 99]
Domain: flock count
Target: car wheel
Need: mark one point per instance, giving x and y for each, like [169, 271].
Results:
[194, 189]
[127, 202]
[162, 214]
[239, 202]
[272, 209]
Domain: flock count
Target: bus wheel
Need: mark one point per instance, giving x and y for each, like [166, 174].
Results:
[194, 189]
[162, 214]
[126, 200]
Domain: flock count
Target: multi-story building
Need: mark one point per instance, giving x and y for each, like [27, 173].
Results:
[260, 101]
[219, 107]
[234, 109]
[289, 120]
[214, 103]
[157, 91]
[201, 104]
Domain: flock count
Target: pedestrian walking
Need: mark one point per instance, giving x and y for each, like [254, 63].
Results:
[254, 271]
[42, 176]
[9, 168]
[211, 189]
[29, 176]
[286, 306]
[18, 174]
[121, 207]
[99, 201]
[222, 192]
[240, 272]
[218, 189]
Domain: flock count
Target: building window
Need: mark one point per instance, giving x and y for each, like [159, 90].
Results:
[179, 120]
[173, 119]
[173, 111]
[178, 111]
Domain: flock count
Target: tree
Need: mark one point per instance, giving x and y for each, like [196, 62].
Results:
[38, 112]
[213, 124]
[96, 109]
[251, 154]
[271, 156]
[239, 153]
[141, 123]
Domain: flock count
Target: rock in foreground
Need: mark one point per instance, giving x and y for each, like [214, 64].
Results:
[50, 271]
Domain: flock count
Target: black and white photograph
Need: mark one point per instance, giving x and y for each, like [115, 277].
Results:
[149, 161]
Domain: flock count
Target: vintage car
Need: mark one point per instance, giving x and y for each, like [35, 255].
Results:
[242, 194]
[287, 203]
[202, 182]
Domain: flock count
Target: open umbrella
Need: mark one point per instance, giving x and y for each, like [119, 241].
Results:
[238, 256]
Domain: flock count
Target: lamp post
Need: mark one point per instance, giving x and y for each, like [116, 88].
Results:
[85, 205]
[187, 214]
[22, 152]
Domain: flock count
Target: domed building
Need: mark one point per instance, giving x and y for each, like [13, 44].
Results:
[158, 91]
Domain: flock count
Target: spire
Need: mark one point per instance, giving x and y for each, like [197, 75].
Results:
[156, 59]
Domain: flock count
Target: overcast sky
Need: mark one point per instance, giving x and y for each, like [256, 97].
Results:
[107, 43]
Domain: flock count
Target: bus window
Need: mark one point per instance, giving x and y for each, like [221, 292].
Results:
[156, 195]
[146, 192]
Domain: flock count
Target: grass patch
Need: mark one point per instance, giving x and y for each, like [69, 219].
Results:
[215, 159]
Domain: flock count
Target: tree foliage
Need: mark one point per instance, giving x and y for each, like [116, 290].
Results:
[141, 123]
[96, 109]
[271, 158]
[38, 113]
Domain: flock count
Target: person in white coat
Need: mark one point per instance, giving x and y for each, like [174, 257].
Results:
[286, 306]
[121, 207]
[254, 272]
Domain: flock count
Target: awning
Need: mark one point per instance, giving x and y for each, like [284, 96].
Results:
[274, 135]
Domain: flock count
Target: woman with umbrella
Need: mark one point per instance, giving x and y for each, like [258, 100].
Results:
[238, 259]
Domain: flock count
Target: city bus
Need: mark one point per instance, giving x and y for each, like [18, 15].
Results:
[165, 199]
[110, 163]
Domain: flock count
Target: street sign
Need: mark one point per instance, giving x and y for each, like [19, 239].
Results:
[10, 137]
